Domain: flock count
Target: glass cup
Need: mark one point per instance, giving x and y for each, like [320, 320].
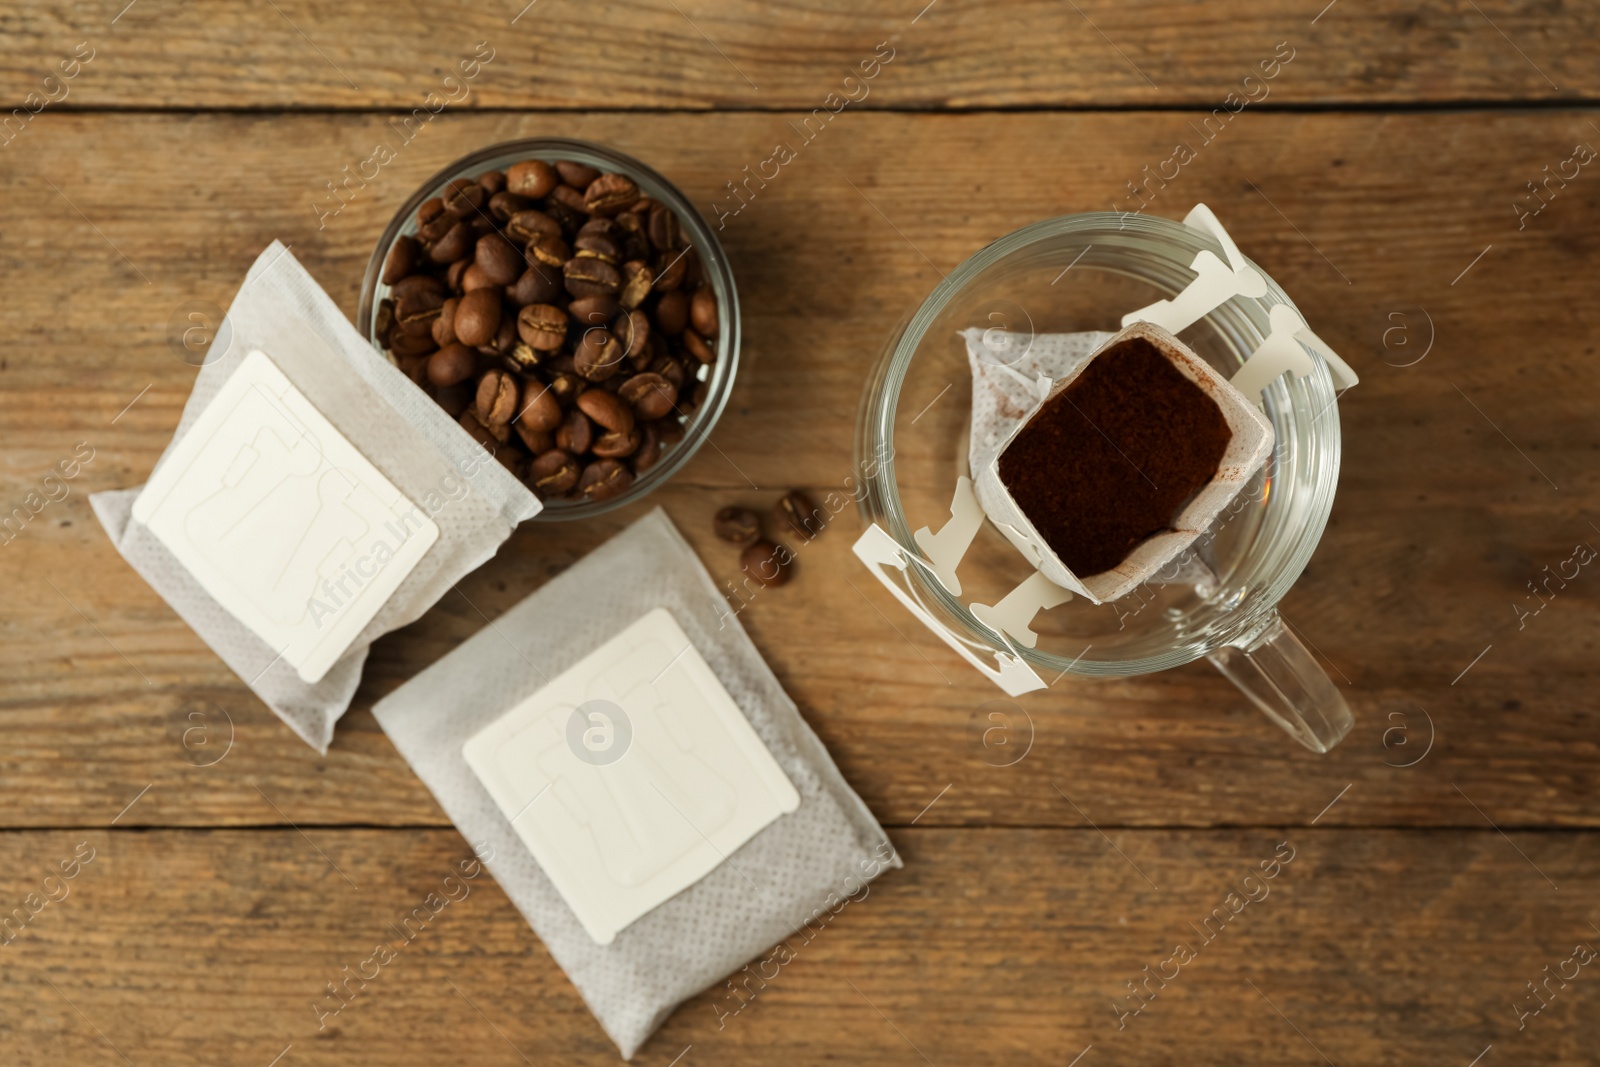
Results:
[1081, 273]
[718, 377]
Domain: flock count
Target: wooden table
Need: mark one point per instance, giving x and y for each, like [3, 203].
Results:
[1379, 182]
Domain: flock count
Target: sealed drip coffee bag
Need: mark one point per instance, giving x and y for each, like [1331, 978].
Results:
[650, 798]
[312, 500]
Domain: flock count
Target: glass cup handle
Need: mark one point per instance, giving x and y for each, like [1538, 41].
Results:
[1277, 673]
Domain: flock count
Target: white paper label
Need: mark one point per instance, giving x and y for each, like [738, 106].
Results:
[631, 776]
[282, 521]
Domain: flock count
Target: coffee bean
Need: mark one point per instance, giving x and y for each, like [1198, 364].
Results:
[435, 228]
[564, 198]
[593, 310]
[403, 259]
[672, 313]
[597, 242]
[543, 326]
[528, 223]
[421, 306]
[444, 327]
[431, 209]
[550, 250]
[738, 525]
[415, 285]
[498, 394]
[637, 279]
[478, 317]
[385, 320]
[577, 175]
[502, 206]
[454, 245]
[607, 409]
[532, 178]
[671, 370]
[669, 271]
[615, 445]
[633, 330]
[591, 277]
[663, 228]
[802, 516]
[455, 272]
[609, 194]
[493, 181]
[553, 473]
[475, 277]
[649, 451]
[702, 309]
[541, 410]
[630, 234]
[539, 284]
[412, 339]
[463, 197]
[767, 563]
[598, 355]
[499, 259]
[576, 433]
[604, 479]
[697, 346]
[536, 441]
[505, 338]
[650, 395]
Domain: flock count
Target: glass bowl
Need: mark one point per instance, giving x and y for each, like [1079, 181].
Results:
[718, 375]
[1083, 273]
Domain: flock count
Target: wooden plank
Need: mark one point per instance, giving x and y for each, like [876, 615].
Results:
[1402, 204]
[990, 947]
[745, 54]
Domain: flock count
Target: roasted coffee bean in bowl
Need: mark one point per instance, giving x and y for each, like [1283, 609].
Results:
[569, 308]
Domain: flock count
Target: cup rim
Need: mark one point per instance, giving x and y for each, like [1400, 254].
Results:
[713, 259]
[882, 503]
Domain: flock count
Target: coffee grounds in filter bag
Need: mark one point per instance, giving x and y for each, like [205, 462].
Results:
[1006, 394]
[1109, 460]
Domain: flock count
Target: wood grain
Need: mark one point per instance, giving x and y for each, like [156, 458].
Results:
[744, 54]
[1444, 511]
[1444, 855]
[990, 947]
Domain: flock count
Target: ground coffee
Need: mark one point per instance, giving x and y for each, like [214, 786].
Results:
[1111, 459]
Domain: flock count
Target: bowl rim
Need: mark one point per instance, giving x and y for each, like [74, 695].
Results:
[713, 259]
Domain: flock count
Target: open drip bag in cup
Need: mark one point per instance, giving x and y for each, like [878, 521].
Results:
[998, 418]
[638, 782]
[312, 499]
[1020, 320]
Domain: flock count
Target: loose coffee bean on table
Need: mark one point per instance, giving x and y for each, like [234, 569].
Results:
[738, 525]
[801, 515]
[767, 563]
[561, 316]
